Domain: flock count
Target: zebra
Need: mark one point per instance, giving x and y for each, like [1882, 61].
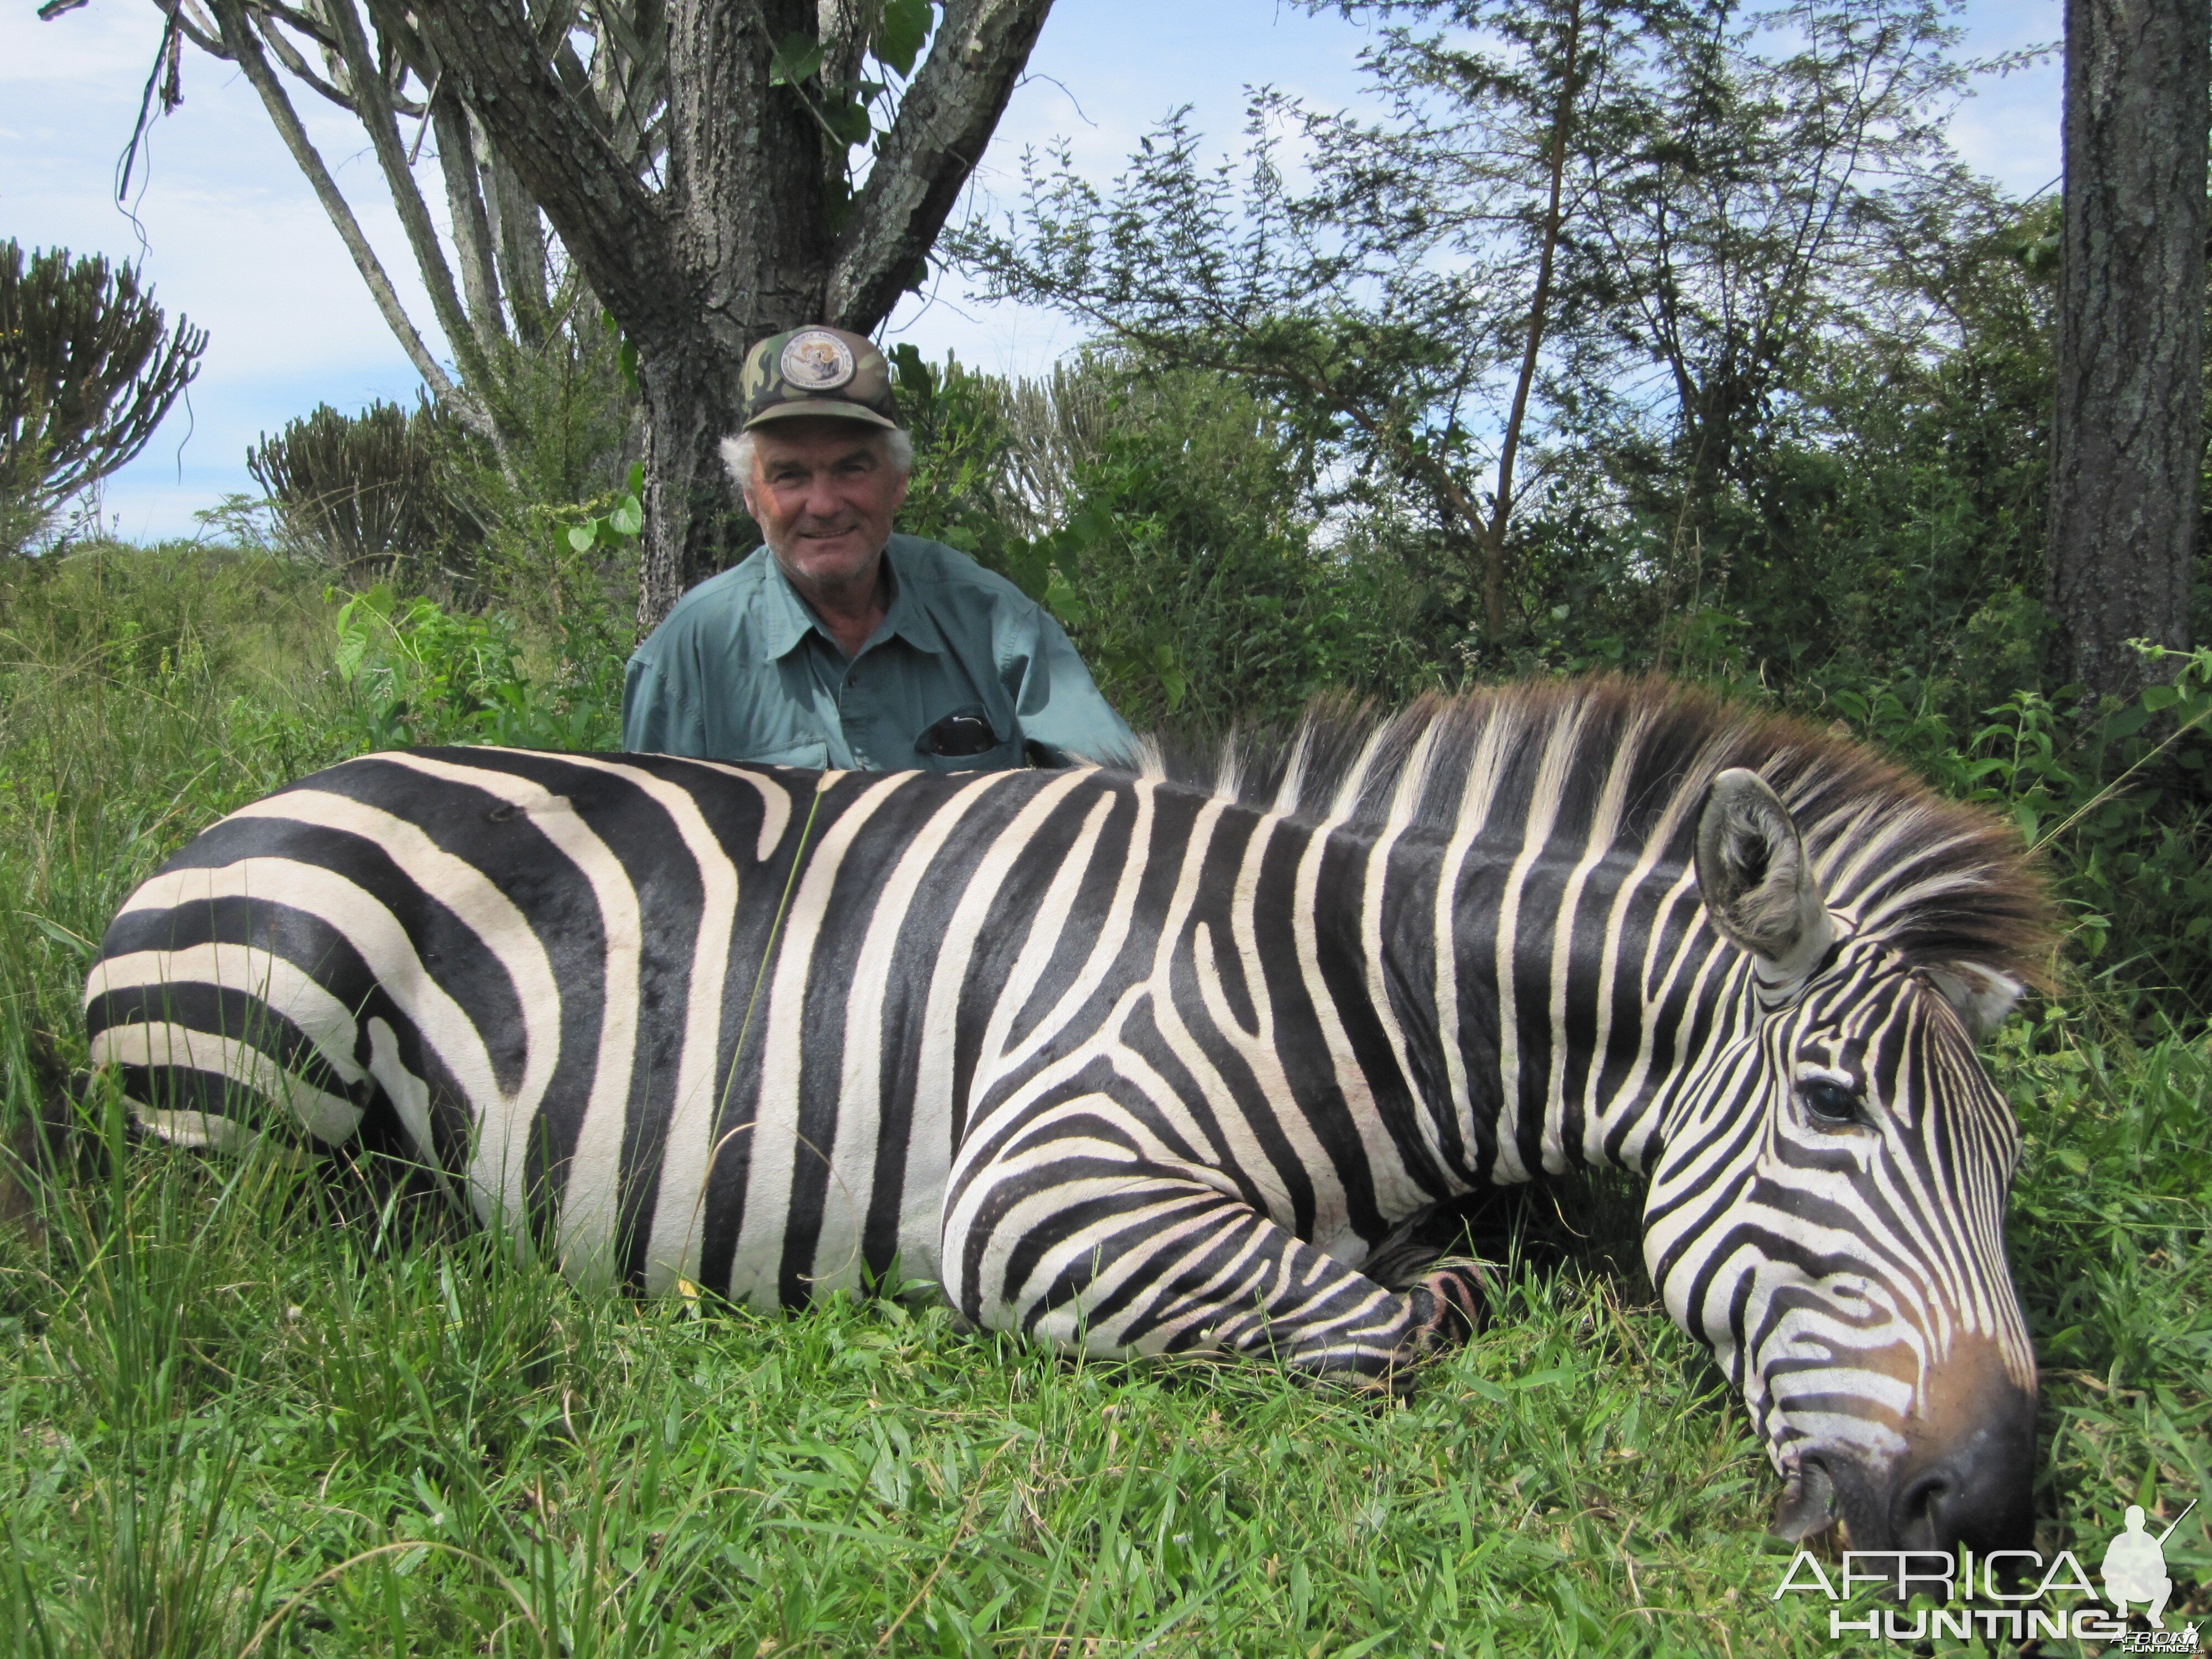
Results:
[1183, 1056]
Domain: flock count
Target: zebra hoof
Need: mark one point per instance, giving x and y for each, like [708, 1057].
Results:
[1462, 1293]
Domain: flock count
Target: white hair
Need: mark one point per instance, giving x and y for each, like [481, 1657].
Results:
[738, 454]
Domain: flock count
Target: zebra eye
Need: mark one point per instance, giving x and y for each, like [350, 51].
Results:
[1833, 1104]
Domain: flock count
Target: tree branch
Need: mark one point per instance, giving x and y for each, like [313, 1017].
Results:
[935, 140]
[374, 97]
[1493, 584]
[471, 227]
[841, 26]
[296, 61]
[243, 46]
[522, 243]
[607, 218]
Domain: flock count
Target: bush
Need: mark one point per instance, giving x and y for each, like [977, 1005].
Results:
[1160, 517]
[422, 674]
[2118, 797]
[571, 411]
[360, 493]
[87, 368]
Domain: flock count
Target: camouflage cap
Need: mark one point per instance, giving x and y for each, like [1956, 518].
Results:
[817, 370]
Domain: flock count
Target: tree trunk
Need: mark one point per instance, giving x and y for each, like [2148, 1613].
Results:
[741, 241]
[2128, 437]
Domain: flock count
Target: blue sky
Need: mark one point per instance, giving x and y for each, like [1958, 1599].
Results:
[229, 234]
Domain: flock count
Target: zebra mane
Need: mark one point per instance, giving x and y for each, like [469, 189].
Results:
[1944, 884]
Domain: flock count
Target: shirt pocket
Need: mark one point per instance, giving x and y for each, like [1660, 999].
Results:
[974, 738]
[1000, 757]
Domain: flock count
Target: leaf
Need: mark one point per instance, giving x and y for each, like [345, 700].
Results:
[1063, 602]
[1541, 1379]
[899, 40]
[75, 944]
[625, 353]
[628, 519]
[849, 118]
[1173, 682]
[798, 58]
[583, 536]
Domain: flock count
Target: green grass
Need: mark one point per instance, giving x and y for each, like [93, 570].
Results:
[242, 1409]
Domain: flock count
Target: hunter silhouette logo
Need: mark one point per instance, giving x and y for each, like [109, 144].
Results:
[2135, 1567]
[2134, 1571]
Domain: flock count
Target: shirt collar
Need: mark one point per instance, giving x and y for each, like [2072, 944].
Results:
[783, 619]
[907, 616]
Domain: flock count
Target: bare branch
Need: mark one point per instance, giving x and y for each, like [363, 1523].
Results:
[296, 61]
[376, 114]
[935, 140]
[243, 46]
[607, 218]
[472, 239]
[520, 241]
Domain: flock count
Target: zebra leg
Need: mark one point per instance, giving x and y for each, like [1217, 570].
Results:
[1081, 1241]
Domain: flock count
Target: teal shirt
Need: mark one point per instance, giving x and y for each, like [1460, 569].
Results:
[742, 670]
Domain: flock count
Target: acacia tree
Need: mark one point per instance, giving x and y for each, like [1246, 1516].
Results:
[1741, 211]
[1608, 225]
[1409, 303]
[88, 366]
[716, 170]
[2128, 436]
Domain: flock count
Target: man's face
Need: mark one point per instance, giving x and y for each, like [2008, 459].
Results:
[823, 492]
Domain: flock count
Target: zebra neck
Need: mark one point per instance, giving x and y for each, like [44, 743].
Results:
[1545, 1001]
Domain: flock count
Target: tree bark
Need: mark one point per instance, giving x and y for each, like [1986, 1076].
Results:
[740, 242]
[472, 235]
[2128, 434]
[1501, 511]
[947, 119]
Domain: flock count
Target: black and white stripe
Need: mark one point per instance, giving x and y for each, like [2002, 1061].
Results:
[1144, 1062]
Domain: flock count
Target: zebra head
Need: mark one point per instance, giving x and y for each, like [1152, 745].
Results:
[1828, 1202]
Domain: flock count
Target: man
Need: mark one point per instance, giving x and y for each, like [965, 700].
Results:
[839, 644]
[2134, 1570]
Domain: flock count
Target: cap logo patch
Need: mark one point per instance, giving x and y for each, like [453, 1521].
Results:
[815, 360]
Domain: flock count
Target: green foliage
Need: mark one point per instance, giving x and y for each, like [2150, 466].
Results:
[87, 368]
[142, 694]
[1889, 523]
[619, 527]
[1579, 267]
[848, 84]
[569, 401]
[2119, 798]
[1155, 515]
[362, 494]
[426, 675]
[2109, 1212]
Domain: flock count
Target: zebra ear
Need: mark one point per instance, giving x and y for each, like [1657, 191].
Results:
[1982, 998]
[1758, 885]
